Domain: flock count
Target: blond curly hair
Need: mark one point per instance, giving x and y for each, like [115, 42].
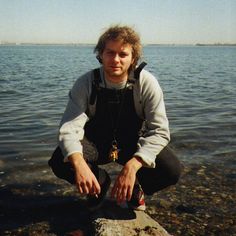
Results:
[126, 35]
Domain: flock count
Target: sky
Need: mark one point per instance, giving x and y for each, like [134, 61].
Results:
[83, 21]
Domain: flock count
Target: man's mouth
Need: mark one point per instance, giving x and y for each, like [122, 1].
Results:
[115, 67]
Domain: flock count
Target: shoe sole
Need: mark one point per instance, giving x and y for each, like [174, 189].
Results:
[139, 208]
[126, 205]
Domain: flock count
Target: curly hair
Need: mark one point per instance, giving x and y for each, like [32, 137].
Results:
[124, 34]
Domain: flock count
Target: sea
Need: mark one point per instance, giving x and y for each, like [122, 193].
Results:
[199, 85]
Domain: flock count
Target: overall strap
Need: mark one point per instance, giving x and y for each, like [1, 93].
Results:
[139, 69]
[137, 72]
[95, 85]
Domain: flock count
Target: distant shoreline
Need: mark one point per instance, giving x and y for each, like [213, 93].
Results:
[46, 44]
[90, 44]
[216, 44]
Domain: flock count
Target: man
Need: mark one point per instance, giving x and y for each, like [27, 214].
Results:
[121, 111]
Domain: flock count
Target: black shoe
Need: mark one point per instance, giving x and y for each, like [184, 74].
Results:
[94, 202]
[137, 200]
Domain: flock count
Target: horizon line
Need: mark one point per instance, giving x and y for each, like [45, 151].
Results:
[92, 44]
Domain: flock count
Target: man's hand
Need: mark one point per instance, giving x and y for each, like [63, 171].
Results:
[85, 180]
[124, 184]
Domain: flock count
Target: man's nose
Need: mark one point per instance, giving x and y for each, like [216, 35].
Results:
[116, 57]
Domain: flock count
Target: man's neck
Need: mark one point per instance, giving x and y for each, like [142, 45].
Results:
[116, 79]
[111, 85]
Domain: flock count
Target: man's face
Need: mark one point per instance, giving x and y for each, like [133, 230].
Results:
[116, 59]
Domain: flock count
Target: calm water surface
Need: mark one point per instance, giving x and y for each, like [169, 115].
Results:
[199, 85]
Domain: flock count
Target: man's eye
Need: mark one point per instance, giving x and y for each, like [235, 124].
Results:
[110, 53]
[123, 54]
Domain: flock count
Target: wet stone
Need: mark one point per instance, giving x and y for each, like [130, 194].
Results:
[186, 209]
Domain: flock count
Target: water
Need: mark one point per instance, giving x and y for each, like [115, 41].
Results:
[199, 86]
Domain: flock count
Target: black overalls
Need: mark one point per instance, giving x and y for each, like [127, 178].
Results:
[116, 119]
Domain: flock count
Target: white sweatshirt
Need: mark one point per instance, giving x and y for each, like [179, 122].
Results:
[149, 105]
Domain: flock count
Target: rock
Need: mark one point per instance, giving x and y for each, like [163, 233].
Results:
[165, 204]
[113, 220]
[182, 208]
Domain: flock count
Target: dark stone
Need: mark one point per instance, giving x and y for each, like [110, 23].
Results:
[186, 209]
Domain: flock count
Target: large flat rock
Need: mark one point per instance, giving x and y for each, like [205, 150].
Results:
[113, 220]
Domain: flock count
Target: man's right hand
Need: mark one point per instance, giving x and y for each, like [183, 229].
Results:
[85, 180]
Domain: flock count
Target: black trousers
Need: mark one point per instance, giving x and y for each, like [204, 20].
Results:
[167, 171]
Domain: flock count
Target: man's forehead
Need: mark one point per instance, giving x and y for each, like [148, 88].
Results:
[114, 44]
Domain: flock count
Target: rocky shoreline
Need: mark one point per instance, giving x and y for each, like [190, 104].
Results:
[34, 202]
[202, 203]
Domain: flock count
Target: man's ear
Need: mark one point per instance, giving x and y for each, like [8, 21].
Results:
[99, 59]
[132, 62]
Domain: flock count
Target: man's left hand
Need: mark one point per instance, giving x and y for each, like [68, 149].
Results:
[124, 184]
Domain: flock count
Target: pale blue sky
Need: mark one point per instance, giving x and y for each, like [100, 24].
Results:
[82, 21]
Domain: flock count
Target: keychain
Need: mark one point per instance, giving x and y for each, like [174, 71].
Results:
[113, 155]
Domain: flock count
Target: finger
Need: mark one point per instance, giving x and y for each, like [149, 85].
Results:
[90, 187]
[119, 195]
[129, 193]
[123, 195]
[114, 191]
[80, 189]
[119, 199]
[92, 191]
[84, 188]
[96, 186]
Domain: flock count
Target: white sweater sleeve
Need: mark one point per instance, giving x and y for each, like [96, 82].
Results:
[156, 134]
[71, 130]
